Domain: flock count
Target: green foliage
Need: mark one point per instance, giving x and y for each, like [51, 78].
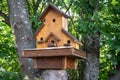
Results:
[3, 6]
[9, 66]
[72, 74]
[35, 21]
[110, 39]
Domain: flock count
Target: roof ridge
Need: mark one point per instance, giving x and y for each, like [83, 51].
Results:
[52, 34]
[50, 5]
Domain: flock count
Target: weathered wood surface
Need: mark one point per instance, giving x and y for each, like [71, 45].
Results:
[54, 51]
[56, 63]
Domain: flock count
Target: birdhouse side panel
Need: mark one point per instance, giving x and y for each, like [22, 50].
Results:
[71, 41]
[40, 37]
[65, 23]
[66, 41]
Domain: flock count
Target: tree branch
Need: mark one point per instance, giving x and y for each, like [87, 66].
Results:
[33, 5]
[6, 18]
[43, 4]
[65, 4]
[69, 7]
[37, 5]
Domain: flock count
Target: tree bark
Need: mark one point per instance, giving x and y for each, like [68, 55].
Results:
[54, 75]
[91, 65]
[116, 76]
[23, 35]
[22, 31]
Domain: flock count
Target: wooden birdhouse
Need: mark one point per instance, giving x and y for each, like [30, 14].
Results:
[56, 48]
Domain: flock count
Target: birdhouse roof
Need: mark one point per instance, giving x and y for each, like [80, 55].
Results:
[49, 7]
[52, 34]
[38, 30]
[72, 37]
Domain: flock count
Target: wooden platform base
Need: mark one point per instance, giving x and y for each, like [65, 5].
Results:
[55, 63]
[54, 57]
[54, 51]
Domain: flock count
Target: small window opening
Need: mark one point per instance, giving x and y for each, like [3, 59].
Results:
[54, 20]
[41, 39]
[68, 41]
[52, 41]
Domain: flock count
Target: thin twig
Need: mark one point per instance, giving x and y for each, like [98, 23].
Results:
[69, 7]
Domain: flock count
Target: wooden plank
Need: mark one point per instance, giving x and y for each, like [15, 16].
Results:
[50, 63]
[79, 53]
[35, 63]
[64, 62]
[54, 63]
[56, 51]
[71, 64]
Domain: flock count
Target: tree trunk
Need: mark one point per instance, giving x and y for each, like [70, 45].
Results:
[91, 65]
[54, 75]
[116, 76]
[23, 35]
[19, 21]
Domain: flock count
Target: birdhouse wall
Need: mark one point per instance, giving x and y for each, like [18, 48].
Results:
[53, 22]
[65, 23]
[41, 45]
[40, 38]
[65, 39]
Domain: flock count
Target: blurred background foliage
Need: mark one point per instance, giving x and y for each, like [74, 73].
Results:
[84, 21]
[9, 67]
